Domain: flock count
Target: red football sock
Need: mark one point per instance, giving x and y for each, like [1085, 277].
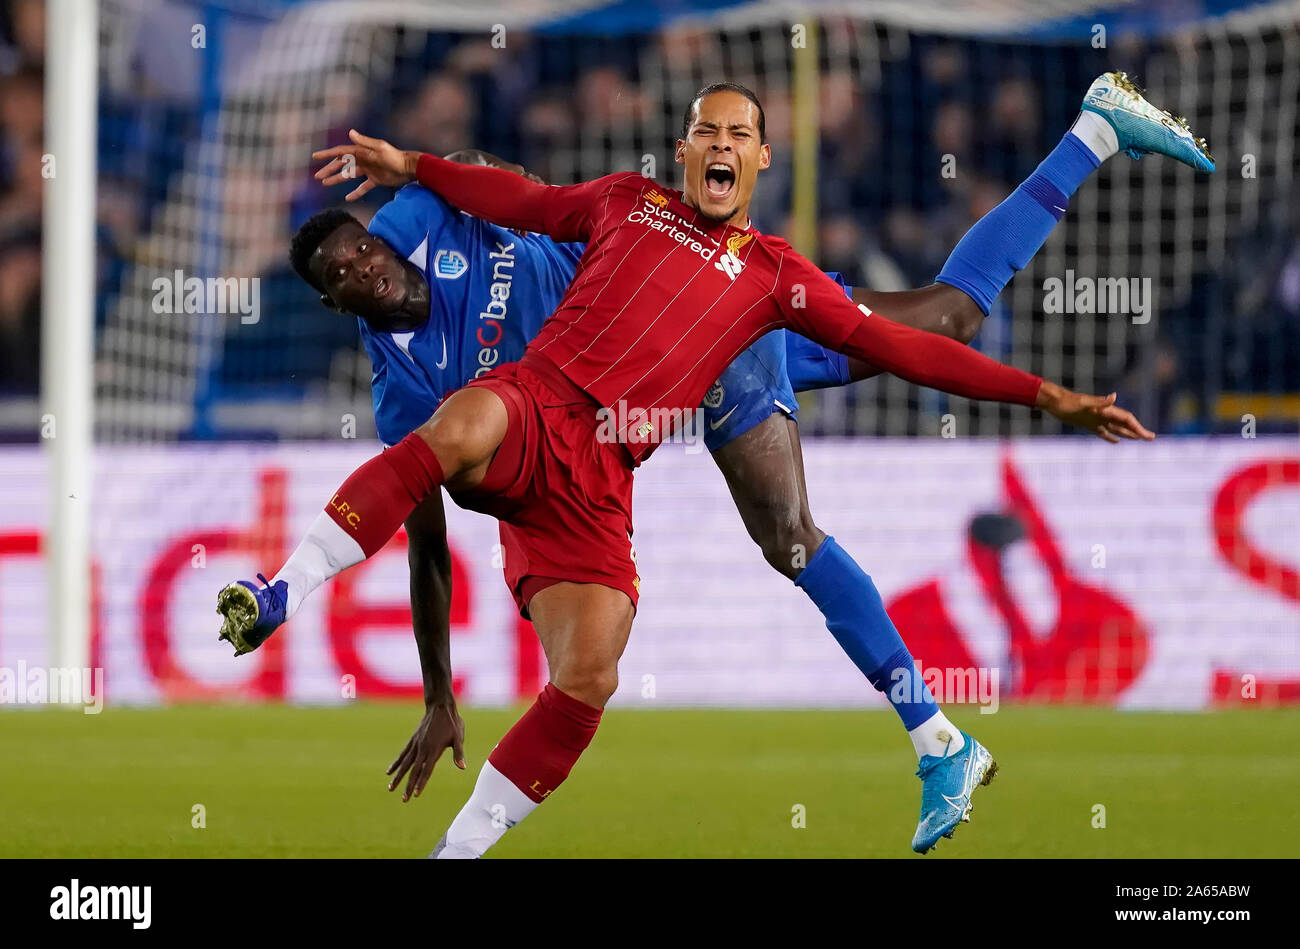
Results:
[377, 497]
[538, 752]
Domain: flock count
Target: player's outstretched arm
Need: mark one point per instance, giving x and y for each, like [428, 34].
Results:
[945, 364]
[494, 194]
[476, 156]
[824, 314]
[937, 308]
[441, 727]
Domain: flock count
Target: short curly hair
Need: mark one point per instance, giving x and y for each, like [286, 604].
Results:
[311, 235]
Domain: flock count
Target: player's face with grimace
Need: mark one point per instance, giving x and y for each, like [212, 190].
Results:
[362, 275]
[722, 155]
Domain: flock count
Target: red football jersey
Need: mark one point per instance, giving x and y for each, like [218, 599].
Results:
[665, 298]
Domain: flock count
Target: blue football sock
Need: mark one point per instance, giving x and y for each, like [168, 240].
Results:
[1005, 239]
[856, 617]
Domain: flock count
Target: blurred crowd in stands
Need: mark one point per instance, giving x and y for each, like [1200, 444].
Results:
[22, 56]
[881, 224]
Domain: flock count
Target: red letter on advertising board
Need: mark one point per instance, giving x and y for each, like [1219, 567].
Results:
[29, 544]
[348, 616]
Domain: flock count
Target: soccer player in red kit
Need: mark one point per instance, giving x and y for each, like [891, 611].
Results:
[672, 287]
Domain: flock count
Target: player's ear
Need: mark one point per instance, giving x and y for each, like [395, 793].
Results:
[679, 153]
[765, 156]
[329, 304]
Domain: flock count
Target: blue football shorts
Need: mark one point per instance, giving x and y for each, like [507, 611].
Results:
[763, 380]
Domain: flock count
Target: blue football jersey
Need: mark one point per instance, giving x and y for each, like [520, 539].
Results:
[490, 290]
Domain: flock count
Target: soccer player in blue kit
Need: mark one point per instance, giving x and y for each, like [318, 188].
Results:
[442, 297]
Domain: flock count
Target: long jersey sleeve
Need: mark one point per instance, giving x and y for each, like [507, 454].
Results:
[816, 306]
[562, 212]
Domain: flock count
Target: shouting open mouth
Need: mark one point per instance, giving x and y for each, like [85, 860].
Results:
[719, 180]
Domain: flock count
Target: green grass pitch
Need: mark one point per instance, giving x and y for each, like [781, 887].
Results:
[278, 781]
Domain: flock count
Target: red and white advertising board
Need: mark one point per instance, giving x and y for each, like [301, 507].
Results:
[1161, 575]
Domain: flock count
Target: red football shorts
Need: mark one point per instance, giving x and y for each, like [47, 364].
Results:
[563, 497]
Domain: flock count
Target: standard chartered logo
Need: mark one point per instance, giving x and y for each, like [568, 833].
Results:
[663, 219]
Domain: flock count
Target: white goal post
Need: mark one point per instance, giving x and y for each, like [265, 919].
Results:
[68, 318]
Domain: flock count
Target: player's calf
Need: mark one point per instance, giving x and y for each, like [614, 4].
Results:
[584, 628]
[359, 519]
[939, 308]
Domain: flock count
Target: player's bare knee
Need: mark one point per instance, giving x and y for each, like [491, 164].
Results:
[788, 542]
[587, 682]
[444, 440]
[966, 321]
[957, 315]
[465, 430]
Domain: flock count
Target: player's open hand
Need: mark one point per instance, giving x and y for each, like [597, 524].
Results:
[1098, 414]
[372, 160]
[440, 729]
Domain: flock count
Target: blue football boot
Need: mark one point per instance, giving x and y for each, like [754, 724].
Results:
[251, 614]
[946, 786]
[1140, 127]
